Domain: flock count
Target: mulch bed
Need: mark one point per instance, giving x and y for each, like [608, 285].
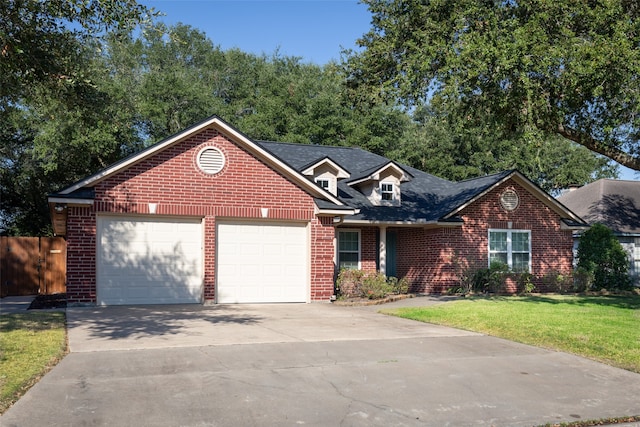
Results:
[351, 302]
[48, 301]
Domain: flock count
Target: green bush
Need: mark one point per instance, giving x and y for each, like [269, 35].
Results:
[602, 255]
[349, 281]
[525, 282]
[398, 287]
[490, 280]
[360, 284]
[375, 286]
[555, 281]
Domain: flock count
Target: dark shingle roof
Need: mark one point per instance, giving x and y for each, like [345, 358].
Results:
[613, 203]
[425, 198]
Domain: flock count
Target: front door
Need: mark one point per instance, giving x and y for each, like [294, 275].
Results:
[392, 239]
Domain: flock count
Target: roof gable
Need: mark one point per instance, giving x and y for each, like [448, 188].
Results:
[474, 189]
[221, 126]
[339, 171]
[614, 203]
[374, 174]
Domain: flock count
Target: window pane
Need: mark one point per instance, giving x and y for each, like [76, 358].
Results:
[521, 262]
[498, 241]
[348, 241]
[498, 257]
[520, 242]
[348, 260]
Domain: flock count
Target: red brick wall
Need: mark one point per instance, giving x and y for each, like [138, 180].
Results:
[172, 179]
[428, 257]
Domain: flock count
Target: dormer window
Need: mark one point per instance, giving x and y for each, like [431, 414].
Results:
[324, 183]
[386, 191]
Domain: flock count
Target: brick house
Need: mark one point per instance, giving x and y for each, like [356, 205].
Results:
[209, 215]
[615, 204]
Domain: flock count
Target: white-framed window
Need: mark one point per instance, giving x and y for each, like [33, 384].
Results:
[348, 249]
[386, 191]
[324, 183]
[511, 247]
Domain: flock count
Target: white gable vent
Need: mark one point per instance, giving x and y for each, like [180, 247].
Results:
[210, 160]
[509, 200]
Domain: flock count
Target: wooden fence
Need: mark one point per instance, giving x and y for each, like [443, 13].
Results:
[32, 265]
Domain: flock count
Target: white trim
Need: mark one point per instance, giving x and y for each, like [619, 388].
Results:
[222, 126]
[348, 230]
[71, 201]
[392, 192]
[375, 176]
[328, 181]
[342, 173]
[556, 206]
[510, 252]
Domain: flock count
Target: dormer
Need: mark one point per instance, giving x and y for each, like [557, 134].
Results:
[326, 173]
[381, 185]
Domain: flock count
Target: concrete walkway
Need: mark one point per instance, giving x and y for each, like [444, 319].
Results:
[311, 364]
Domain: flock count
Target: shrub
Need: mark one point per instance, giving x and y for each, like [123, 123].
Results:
[375, 286]
[349, 281]
[398, 286]
[582, 280]
[555, 281]
[525, 282]
[490, 279]
[360, 284]
[602, 255]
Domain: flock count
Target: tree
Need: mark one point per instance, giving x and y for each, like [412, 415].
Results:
[445, 146]
[601, 256]
[39, 40]
[56, 124]
[532, 68]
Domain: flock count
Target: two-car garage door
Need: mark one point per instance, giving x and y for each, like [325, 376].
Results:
[159, 260]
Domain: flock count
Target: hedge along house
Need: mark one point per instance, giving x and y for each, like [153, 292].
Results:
[209, 215]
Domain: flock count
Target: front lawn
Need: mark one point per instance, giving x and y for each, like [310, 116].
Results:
[30, 344]
[603, 328]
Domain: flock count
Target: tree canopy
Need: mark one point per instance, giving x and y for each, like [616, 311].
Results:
[120, 91]
[533, 68]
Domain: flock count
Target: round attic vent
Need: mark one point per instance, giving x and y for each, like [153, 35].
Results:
[509, 200]
[210, 160]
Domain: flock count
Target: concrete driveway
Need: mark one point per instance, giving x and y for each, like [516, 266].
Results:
[317, 364]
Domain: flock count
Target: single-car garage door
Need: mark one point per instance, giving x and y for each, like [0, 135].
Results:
[144, 260]
[262, 262]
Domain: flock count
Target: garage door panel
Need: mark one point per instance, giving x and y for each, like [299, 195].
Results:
[254, 262]
[149, 260]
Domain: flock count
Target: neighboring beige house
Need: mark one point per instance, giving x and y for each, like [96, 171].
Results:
[615, 204]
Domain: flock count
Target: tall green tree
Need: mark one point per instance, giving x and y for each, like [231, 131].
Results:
[39, 39]
[56, 125]
[537, 68]
[447, 147]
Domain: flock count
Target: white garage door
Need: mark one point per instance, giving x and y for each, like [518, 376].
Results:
[262, 263]
[144, 260]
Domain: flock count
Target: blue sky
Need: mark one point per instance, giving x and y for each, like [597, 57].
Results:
[314, 30]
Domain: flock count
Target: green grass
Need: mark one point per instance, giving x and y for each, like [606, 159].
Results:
[30, 344]
[603, 328]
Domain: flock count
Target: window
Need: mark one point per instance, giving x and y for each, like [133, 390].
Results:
[386, 190]
[349, 249]
[511, 247]
[323, 183]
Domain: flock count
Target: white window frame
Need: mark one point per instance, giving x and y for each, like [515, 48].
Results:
[320, 182]
[510, 251]
[391, 192]
[338, 252]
